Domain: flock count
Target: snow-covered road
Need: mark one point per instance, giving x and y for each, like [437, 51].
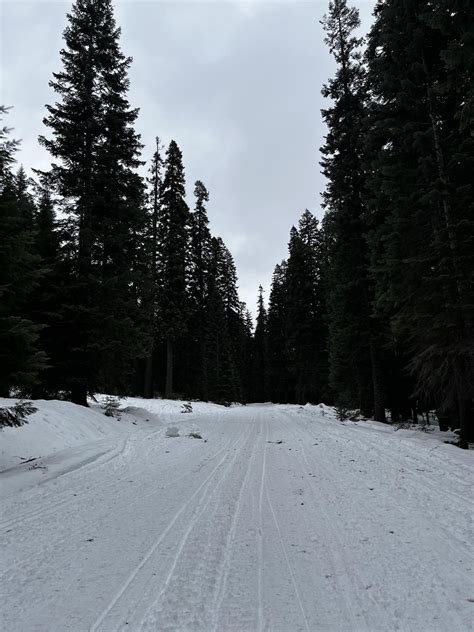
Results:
[282, 520]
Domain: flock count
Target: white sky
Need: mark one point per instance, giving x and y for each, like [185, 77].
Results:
[236, 84]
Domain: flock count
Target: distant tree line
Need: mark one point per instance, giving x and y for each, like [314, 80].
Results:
[374, 309]
[110, 282]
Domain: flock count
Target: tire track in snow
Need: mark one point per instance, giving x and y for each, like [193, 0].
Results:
[203, 486]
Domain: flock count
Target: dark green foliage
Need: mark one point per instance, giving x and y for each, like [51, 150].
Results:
[173, 239]
[305, 328]
[101, 194]
[17, 415]
[296, 332]
[260, 352]
[200, 264]
[150, 303]
[220, 368]
[420, 192]
[20, 271]
[280, 380]
[349, 298]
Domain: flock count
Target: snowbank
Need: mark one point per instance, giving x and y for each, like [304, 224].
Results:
[56, 426]
[59, 427]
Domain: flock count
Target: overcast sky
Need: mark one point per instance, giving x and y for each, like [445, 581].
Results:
[236, 84]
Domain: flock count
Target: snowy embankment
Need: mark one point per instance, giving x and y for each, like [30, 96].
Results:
[61, 436]
[280, 518]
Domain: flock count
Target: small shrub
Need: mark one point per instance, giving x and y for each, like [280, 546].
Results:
[110, 406]
[343, 413]
[14, 416]
[187, 408]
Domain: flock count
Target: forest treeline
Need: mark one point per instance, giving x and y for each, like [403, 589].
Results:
[110, 282]
[374, 308]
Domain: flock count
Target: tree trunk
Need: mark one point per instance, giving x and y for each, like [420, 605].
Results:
[463, 422]
[79, 395]
[377, 382]
[148, 386]
[169, 369]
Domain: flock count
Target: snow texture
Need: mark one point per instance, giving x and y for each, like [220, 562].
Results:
[284, 519]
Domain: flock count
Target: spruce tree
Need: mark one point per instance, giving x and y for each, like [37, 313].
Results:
[173, 240]
[260, 352]
[155, 182]
[200, 257]
[279, 378]
[235, 316]
[305, 334]
[96, 152]
[351, 372]
[220, 368]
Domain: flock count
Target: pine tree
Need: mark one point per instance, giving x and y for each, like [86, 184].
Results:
[95, 179]
[20, 359]
[173, 264]
[351, 374]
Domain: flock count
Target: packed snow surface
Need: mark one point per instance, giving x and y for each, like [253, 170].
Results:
[279, 518]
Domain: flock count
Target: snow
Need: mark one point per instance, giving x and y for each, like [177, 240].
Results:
[282, 519]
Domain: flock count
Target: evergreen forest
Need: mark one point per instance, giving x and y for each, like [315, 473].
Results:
[113, 282]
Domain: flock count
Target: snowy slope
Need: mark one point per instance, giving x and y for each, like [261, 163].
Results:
[280, 519]
[61, 436]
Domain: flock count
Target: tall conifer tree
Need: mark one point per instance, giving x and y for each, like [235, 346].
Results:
[200, 259]
[305, 333]
[260, 351]
[173, 239]
[279, 378]
[155, 182]
[97, 150]
[349, 301]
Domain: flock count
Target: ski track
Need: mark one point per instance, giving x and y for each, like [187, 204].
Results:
[229, 544]
[200, 506]
[260, 534]
[153, 614]
[283, 521]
